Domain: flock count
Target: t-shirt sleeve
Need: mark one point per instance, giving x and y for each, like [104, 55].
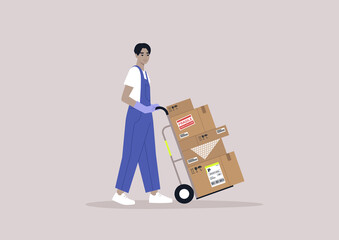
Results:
[132, 78]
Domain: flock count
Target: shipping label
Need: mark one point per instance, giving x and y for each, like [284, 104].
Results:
[221, 130]
[214, 174]
[183, 135]
[192, 160]
[185, 122]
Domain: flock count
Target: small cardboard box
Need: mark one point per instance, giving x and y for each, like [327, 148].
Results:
[204, 152]
[203, 137]
[208, 177]
[180, 107]
[231, 166]
[187, 121]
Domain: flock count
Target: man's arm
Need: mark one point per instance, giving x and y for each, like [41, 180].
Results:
[137, 105]
[125, 96]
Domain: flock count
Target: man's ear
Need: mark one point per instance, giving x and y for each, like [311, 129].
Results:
[136, 55]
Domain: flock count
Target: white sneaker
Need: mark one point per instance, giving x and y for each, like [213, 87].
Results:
[122, 199]
[159, 198]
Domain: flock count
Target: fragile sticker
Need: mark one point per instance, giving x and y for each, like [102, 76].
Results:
[185, 122]
[214, 174]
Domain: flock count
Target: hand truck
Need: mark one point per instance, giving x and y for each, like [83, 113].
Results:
[184, 193]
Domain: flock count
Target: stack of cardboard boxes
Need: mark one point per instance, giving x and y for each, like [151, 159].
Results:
[210, 168]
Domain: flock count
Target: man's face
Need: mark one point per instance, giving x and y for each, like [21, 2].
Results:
[143, 56]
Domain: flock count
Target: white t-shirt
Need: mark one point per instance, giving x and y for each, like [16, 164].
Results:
[133, 79]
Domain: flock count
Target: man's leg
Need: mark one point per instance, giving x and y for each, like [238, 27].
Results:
[134, 141]
[148, 163]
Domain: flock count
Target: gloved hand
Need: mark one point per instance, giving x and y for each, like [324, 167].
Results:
[155, 105]
[145, 109]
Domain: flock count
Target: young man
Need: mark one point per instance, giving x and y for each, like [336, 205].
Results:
[139, 144]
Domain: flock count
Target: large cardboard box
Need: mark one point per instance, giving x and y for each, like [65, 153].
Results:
[215, 174]
[179, 107]
[231, 166]
[203, 138]
[187, 121]
[209, 177]
[204, 146]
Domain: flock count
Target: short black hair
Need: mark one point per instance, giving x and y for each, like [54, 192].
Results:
[139, 46]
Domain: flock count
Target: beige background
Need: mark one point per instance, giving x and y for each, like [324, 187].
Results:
[267, 69]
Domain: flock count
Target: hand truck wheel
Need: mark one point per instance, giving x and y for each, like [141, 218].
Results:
[184, 193]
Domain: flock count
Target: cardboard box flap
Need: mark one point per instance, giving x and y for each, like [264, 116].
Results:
[179, 107]
[232, 169]
[205, 149]
[206, 117]
[202, 153]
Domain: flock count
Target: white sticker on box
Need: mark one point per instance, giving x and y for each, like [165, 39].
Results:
[183, 135]
[214, 174]
[192, 160]
[221, 130]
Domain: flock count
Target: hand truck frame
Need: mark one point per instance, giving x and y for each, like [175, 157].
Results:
[184, 193]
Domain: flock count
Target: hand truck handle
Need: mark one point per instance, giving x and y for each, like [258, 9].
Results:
[162, 108]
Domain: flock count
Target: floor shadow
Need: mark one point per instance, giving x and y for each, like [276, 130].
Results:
[143, 204]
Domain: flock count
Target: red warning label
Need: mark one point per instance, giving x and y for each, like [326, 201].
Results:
[185, 122]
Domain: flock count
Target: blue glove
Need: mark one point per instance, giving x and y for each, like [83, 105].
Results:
[145, 109]
[155, 105]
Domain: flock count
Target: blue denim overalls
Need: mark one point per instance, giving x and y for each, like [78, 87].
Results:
[139, 145]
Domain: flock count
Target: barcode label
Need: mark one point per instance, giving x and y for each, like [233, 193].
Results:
[218, 181]
[214, 174]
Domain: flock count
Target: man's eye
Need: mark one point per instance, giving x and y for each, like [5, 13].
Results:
[142, 55]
